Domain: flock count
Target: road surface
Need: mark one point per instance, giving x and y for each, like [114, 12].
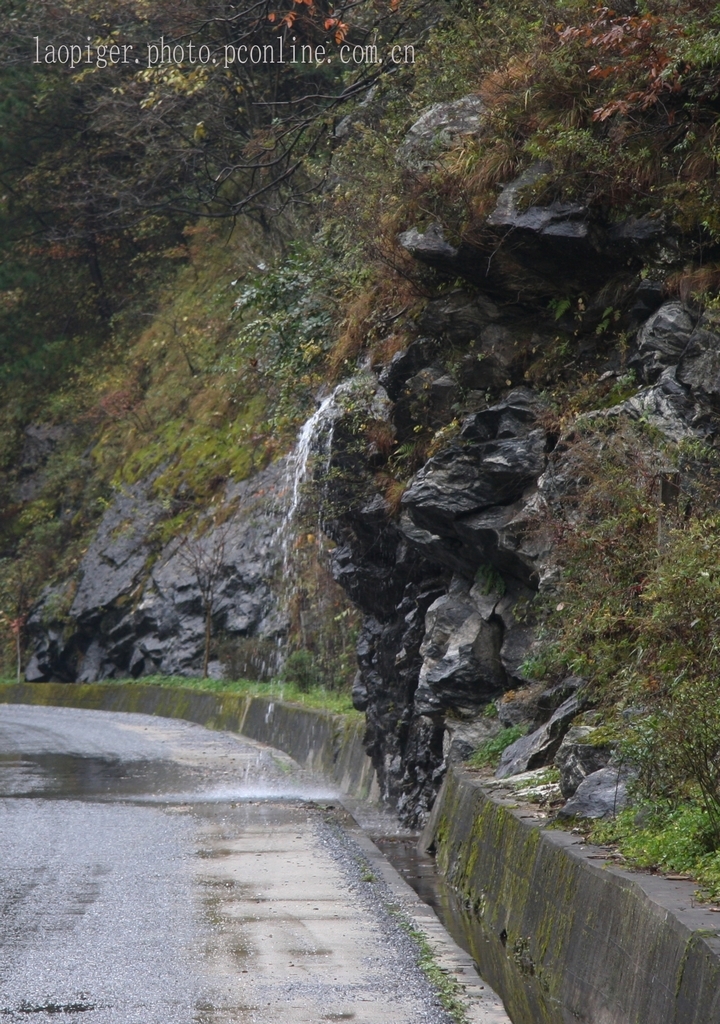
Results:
[154, 872]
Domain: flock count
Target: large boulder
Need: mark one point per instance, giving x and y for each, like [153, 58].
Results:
[406, 364]
[667, 406]
[559, 238]
[566, 238]
[500, 452]
[662, 340]
[578, 757]
[539, 748]
[600, 795]
[464, 505]
[459, 317]
[466, 478]
[430, 246]
[461, 666]
[437, 130]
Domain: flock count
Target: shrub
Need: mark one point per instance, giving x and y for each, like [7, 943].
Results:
[637, 608]
[299, 670]
[488, 753]
[677, 749]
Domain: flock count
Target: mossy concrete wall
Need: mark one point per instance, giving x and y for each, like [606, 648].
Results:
[316, 739]
[562, 937]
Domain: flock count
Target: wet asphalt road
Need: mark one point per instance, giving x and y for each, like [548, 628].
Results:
[153, 872]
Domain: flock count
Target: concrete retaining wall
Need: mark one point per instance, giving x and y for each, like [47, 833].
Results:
[560, 936]
[316, 739]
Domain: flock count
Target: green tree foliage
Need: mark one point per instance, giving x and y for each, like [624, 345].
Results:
[103, 164]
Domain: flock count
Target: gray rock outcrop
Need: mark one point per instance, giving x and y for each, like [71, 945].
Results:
[431, 247]
[137, 610]
[461, 666]
[459, 508]
[436, 130]
[662, 340]
[577, 757]
[600, 795]
[538, 748]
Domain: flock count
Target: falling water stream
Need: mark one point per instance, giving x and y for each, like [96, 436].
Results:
[313, 452]
[309, 463]
[314, 441]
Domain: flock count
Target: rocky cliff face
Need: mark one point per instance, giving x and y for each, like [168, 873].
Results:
[447, 584]
[447, 581]
[136, 607]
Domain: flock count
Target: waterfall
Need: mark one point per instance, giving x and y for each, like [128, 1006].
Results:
[310, 459]
[314, 440]
[314, 443]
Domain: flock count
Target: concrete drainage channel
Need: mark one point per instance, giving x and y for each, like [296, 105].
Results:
[318, 741]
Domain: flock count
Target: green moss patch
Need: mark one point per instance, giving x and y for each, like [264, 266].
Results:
[315, 697]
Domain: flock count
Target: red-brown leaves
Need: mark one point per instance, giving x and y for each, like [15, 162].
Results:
[639, 50]
[341, 29]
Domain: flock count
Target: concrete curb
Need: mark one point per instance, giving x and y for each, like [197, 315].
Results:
[564, 936]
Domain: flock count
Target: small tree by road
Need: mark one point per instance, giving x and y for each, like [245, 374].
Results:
[203, 556]
[17, 587]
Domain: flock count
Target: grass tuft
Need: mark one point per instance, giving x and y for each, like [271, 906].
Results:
[488, 753]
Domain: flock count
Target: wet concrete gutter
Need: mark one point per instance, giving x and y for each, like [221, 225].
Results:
[560, 934]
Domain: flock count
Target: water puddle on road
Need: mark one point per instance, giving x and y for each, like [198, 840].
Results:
[156, 873]
[74, 776]
[63, 776]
